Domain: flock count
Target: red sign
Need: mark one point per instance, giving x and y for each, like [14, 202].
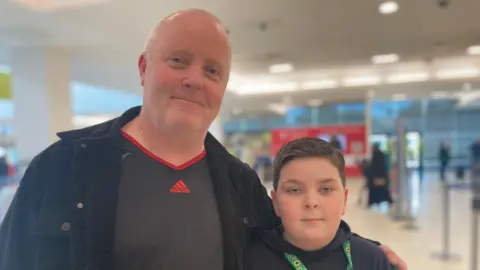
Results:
[352, 139]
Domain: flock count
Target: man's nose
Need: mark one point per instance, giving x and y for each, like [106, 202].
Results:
[194, 79]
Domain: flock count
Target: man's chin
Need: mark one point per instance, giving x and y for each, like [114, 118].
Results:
[185, 124]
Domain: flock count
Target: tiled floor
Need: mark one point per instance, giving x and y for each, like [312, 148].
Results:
[416, 247]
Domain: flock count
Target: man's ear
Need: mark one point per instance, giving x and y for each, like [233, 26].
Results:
[142, 67]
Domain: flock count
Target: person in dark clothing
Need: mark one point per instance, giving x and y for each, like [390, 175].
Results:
[475, 152]
[378, 179]
[4, 172]
[335, 142]
[444, 158]
[310, 197]
[152, 189]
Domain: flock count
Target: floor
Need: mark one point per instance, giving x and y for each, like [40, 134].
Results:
[417, 246]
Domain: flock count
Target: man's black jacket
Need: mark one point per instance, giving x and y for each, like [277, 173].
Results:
[63, 215]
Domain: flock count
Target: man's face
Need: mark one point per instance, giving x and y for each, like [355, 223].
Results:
[185, 73]
[310, 200]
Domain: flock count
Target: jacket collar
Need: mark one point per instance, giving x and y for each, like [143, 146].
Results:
[112, 127]
[102, 130]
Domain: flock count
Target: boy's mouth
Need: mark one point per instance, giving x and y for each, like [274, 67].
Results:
[311, 219]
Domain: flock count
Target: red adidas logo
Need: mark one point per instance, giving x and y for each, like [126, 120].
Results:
[180, 187]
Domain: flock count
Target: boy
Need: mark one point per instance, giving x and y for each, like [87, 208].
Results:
[310, 196]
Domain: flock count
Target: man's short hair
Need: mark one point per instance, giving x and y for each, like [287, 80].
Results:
[307, 148]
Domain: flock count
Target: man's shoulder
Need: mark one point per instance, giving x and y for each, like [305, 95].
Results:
[241, 170]
[61, 152]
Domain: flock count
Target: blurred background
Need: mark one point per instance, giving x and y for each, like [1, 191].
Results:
[403, 76]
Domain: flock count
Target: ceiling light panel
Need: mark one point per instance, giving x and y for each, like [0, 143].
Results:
[385, 59]
[457, 73]
[361, 81]
[408, 77]
[474, 50]
[281, 68]
[388, 7]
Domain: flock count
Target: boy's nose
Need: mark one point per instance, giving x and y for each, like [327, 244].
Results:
[311, 204]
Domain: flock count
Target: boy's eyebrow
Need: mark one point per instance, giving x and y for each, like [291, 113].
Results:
[326, 180]
[321, 180]
[293, 181]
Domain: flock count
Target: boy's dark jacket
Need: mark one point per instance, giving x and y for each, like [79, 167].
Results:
[267, 252]
[63, 215]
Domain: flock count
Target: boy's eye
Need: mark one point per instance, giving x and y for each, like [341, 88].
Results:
[293, 190]
[326, 190]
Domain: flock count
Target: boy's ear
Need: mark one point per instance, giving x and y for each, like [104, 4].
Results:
[345, 202]
[273, 194]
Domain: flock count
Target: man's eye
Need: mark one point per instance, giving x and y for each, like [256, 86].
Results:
[212, 71]
[176, 59]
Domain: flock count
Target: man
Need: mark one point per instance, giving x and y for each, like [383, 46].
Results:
[150, 189]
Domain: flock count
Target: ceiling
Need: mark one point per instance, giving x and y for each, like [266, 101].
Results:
[324, 40]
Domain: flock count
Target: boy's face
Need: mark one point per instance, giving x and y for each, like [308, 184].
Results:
[310, 200]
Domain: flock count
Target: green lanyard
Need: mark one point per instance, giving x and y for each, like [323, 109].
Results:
[297, 264]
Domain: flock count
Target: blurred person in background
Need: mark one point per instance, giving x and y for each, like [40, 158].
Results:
[475, 152]
[444, 159]
[151, 189]
[335, 142]
[379, 182]
[4, 171]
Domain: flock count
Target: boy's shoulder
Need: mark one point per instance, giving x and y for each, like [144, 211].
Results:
[367, 255]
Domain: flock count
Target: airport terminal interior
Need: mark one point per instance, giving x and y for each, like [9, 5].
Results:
[403, 76]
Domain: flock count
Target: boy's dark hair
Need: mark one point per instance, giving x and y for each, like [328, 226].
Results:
[307, 148]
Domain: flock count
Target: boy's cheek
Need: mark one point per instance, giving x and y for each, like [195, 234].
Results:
[289, 209]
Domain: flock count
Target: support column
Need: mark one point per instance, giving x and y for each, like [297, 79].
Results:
[41, 97]
[368, 119]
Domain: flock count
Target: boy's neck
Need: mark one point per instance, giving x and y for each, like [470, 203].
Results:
[308, 245]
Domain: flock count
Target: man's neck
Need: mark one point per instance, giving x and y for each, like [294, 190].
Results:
[175, 147]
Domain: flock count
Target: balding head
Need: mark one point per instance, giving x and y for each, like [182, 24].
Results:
[186, 18]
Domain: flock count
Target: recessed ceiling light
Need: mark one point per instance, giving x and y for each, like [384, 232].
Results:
[408, 77]
[474, 50]
[385, 59]
[281, 68]
[322, 84]
[388, 7]
[361, 81]
[458, 73]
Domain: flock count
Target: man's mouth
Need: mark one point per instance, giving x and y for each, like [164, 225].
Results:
[186, 100]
